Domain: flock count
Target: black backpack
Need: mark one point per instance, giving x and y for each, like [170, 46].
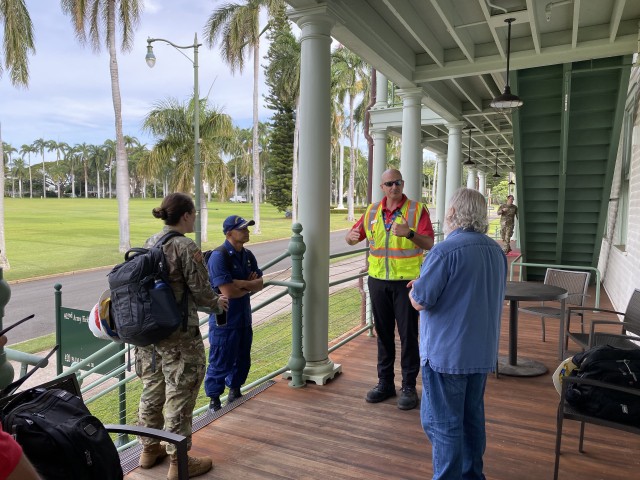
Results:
[60, 436]
[611, 365]
[143, 306]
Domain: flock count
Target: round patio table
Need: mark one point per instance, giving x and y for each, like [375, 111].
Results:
[528, 291]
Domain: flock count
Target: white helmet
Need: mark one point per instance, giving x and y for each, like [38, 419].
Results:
[564, 370]
[100, 321]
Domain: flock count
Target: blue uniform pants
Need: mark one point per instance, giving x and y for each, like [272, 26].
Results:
[229, 358]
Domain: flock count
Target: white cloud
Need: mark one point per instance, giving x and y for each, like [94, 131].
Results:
[69, 94]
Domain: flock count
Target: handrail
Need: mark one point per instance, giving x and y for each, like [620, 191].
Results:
[24, 359]
[552, 265]
[294, 287]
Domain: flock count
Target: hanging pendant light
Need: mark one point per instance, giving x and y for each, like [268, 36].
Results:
[507, 101]
[468, 161]
[496, 175]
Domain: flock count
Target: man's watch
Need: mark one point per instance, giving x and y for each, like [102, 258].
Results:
[411, 234]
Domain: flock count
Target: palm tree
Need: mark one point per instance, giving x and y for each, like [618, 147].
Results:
[172, 123]
[40, 145]
[82, 149]
[96, 155]
[17, 42]
[100, 16]
[238, 27]
[109, 151]
[4, 261]
[8, 160]
[19, 172]
[28, 150]
[347, 72]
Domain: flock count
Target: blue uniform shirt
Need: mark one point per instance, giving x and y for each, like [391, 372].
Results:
[242, 263]
[461, 287]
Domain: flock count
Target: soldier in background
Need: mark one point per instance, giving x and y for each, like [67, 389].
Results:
[508, 213]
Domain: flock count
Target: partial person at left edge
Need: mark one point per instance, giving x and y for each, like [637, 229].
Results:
[14, 465]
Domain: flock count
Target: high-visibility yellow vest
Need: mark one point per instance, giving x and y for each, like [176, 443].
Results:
[391, 257]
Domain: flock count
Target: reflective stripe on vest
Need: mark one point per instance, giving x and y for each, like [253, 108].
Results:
[391, 257]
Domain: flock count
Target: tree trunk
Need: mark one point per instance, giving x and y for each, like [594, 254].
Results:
[122, 168]
[256, 147]
[4, 261]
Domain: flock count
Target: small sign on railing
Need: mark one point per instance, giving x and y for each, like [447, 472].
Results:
[77, 342]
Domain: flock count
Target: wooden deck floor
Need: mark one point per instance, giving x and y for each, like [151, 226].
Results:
[330, 432]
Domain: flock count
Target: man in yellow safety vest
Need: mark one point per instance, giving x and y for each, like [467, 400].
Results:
[398, 231]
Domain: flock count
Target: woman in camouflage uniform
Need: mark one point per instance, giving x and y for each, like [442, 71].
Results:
[172, 380]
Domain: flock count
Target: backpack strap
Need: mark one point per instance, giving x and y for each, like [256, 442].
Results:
[185, 298]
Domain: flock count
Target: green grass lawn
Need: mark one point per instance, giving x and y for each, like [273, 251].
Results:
[53, 236]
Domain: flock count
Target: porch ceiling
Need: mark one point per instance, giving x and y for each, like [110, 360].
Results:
[455, 50]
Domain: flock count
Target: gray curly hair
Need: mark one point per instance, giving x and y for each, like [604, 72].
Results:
[467, 210]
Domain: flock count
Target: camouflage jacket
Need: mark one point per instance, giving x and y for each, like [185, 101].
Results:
[508, 213]
[187, 268]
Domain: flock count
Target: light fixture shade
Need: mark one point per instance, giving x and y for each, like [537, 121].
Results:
[496, 175]
[507, 101]
[150, 58]
[511, 182]
[468, 161]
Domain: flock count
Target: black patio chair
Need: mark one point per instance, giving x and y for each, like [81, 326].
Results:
[568, 412]
[574, 282]
[629, 333]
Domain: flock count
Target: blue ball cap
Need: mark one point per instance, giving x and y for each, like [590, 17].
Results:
[233, 222]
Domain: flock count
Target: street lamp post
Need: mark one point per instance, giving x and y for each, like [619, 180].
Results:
[151, 61]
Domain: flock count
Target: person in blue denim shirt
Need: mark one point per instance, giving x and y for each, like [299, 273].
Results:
[459, 294]
[234, 271]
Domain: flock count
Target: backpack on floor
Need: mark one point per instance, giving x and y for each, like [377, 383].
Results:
[143, 305]
[611, 365]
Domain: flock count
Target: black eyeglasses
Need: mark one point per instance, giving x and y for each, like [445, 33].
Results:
[397, 183]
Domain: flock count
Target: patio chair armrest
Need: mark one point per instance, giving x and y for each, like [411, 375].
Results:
[566, 381]
[609, 322]
[595, 310]
[180, 441]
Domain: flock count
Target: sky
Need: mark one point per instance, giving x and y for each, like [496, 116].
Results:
[69, 94]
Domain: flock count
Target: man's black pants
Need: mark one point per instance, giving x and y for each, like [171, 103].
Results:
[390, 304]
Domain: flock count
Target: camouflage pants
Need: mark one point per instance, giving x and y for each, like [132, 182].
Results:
[174, 385]
[506, 232]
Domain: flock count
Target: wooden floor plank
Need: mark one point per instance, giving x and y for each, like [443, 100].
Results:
[330, 432]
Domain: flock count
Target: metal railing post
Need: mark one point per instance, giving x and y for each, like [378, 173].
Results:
[297, 361]
[6, 369]
[58, 305]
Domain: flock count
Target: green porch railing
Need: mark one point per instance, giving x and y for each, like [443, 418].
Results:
[112, 397]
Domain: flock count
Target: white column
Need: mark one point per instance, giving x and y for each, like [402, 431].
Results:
[315, 140]
[454, 158]
[482, 180]
[381, 91]
[411, 150]
[471, 177]
[441, 189]
[379, 163]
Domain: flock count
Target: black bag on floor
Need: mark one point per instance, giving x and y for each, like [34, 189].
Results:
[610, 365]
[60, 436]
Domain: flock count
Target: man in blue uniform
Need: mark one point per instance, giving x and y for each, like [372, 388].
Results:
[233, 270]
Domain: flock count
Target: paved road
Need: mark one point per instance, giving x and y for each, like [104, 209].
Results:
[81, 289]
